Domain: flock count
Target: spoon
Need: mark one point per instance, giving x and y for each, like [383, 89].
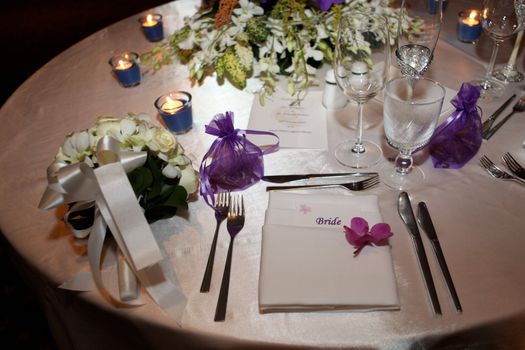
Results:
[518, 107]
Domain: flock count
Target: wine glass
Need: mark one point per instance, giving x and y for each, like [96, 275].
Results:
[417, 35]
[500, 21]
[361, 65]
[410, 115]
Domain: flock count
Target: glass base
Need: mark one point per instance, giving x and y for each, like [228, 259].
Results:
[508, 74]
[490, 88]
[389, 176]
[346, 156]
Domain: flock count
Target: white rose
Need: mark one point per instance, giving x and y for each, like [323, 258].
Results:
[189, 179]
[171, 171]
[164, 140]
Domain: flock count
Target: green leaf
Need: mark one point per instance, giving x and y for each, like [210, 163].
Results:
[178, 198]
[140, 179]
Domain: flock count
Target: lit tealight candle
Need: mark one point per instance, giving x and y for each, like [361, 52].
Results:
[126, 69]
[472, 19]
[152, 26]
[469, 26]
[122, 65]
[150, 22]
[171, 106]
[175, 110]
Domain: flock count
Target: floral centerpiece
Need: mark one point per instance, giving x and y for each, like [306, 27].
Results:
[162, 184]
[240, 39]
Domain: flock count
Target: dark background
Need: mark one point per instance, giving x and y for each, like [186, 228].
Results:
[32, 33]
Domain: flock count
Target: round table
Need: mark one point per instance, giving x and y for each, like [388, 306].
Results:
[479, 219]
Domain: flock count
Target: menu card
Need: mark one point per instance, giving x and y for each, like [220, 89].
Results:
[307, 264]
[298, 126]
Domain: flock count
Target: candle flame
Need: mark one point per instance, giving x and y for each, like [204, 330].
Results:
[149, 18]
[121, 64]
[473, 14]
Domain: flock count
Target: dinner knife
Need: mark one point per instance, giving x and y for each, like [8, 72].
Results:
[425, 221]
[293, 177]
[407, 215]
[487, 124]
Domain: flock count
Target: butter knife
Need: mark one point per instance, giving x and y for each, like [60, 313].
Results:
[424, 220]
[293, 177]
[407, 215]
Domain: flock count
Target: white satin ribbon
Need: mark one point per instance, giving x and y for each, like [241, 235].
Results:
[108, 189]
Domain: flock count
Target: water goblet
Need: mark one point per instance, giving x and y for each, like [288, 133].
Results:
[417, 35]
[361, 65]
[410, 115]
[500, 20]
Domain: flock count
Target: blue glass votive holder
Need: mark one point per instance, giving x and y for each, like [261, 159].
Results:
[432, 6]
[152, 27]
[126, 68]
[469, 26]
[175, 110]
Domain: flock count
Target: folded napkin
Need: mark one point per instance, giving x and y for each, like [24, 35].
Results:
[307, 264]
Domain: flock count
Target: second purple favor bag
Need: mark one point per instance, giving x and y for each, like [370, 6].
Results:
[459, 137]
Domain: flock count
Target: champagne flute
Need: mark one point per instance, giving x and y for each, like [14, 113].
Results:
[417, 36]
[500, 20]
[410, 115]
[361, 65]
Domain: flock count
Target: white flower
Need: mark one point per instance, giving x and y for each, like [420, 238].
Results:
[171, 171]
[189, 42]
[245, 56]
[162, 141]
[247, 10]
[189, 179]
[76, 148]
[314, 53]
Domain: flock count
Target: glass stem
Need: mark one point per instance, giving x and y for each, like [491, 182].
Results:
[358, 146]
[403, 163]
[486, 83]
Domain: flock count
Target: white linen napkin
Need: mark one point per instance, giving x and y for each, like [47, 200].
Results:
[307, 264]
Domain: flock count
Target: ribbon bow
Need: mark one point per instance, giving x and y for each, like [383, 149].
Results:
[107, 188]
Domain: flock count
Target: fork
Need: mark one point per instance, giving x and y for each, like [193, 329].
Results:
[496, 172]
[235, 224]
[221, 212]
[514, 166]
[353, 186]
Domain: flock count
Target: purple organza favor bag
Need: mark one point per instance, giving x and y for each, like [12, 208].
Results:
[232, 162]
[459, 137]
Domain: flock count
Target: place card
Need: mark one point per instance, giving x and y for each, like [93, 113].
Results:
[298, 126]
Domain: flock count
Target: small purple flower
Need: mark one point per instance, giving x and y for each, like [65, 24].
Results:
[358, 234]
[326, 4]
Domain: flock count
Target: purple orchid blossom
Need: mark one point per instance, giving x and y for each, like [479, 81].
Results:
[358, 234]
[326, 4]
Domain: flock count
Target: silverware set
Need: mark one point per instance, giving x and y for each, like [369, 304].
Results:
[489, 130]
[361, 185]
[423, 218]
[516, 173]
[231, 208]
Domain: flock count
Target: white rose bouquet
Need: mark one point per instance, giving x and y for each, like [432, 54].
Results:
[162, 184]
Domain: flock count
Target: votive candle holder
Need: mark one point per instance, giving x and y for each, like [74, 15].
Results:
[175, 109]
[126, 68]
[469, 26]
[432, 6]
[152, 26]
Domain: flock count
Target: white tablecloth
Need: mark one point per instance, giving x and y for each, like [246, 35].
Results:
[479, 219]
